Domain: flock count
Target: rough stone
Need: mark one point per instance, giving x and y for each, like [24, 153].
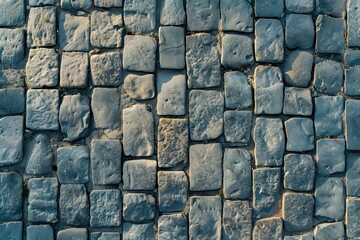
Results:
[38, 155]
[105, 208]
[41, 30]
[74, 70]
[39, 232]
[173, 226]
[299, 172]
[352, 217]
[236, 220]
[79, 5]
[37, 3]
[172, 47]
[11, 230]
[299, 134]
[202, 15]
[330, 34]
[140, 86]
[352, 57]
[297, 68]
[236, 16]
[300, 6]
[138, 231]
[237, 126]
[105, 105]
[11, 196]
[139, 175]
[299, 31]
[172, 12]
[352, 83]
[238, 93]
[108, 3]
[140, 16]
[297, 101]
[299, 237]
[269, 8]
[12, 13]
[334, 8]
[269, 228]
[10, 77]
[72, 234]
[105, 236]
[328, 77]
[330, 231]
[330, 156]
[298, 211]
[352, 123]
[352, 175]
[138, 207]
[106, 69]
[12, 101]
[237, 51]
[74, 32]
[353, 23]
[12, 49]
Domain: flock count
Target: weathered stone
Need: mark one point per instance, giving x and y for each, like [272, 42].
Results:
[108, 3]
[37, 3]
[12, 49]
[76, 5]
[173, 191]
[329, 231]
[206, 121]
[236, 15]
[269, 89]
[330, 7]
[297, 68]
[12, 13]
[353, 175]
[237, 126]
[172, 12]
[138, 207]
[172, 47]
[138, 231]
[74, 70]
[299, 172]
[41, 30]
[140, 16]
[299, 237]
[38, 155]
[299, 134]
[237, 220]
[11, 230]
[352, 57]
[330, 34]
[269, 8]
[105, 208]
[105, 105]
[328, 77]
[352, 217]
[10, 77]
[74, 32]
[237, 51]
[269, 141]
[39, 232]
[205, 167]
[330, 156]
[202, 15]
[139, 175]
[72, 233]
[353, 23]
[300, 6]
[269, 38]
[105, 236]
[297, 101]
[238, 93]
[299, 31]
[269, 228]
[352, 123]
[140, 86]
[11, 196]
[173, 226]
[106, 69]
[74, 204]
[202, 61]
[352, 83]
[12, 101]
[138, 131]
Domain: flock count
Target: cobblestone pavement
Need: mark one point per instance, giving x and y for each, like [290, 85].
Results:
[172, 119]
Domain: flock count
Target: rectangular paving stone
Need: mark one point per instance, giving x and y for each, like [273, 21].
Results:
[173, 226]
[71, 233]
[330, 231]
[300, 6]
[238, 126]
[237, 51]
[299, 31]
[236, 15]
[140, 86]
[352, 83]
[328, 116]
[74, 32]
[297, 101]
[328, 77]
[330, 34]
[11, 196]
[38, 155]
[353, 217]
[105, 105]
[139, 175]
[108, 3]
[352, 175]
[133, 231]
[138, 207]
[12, 101]
[299, 172]
[12, 49]
[11, 230]
[269, 8]
[299, 134]
[353, 23]
[105, 208]
[74, 70]
[331, 7]
[297, 68]
[352, 122]
[172, 12]
[330, 156]
[106, 69]
[41, 27]
[202, 15]
[352, 57]
[172, 47]
[105, 236]
[237, 220]
[268, 228]
[12, 13]
[140, 16]
[39, 232]
[238, 93]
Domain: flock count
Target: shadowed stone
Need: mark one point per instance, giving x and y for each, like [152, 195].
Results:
[105, 208]
[352, 123]
[269, 8]
[353, 23]
[41, 30]
[236, 220]
[299, 172]
[353, 175]
[269, 228]
[352, 83]
[297, 68]
[299, 31]
[11, 230]
[74, 33]
[140, 16]
[330, 156]
[300, 6]
[139, 175]
[330, 7]
[74, 204]
[12, 13]
[39, 232]
[12, 101]
[237, 51]
[236, 15]
[202, 15]
[172, 47]
[353, 217]
[138, 207]
[38, 155]
[173, 226]
[12, 49]
[11, 196]
[238, 93]
[105, 105]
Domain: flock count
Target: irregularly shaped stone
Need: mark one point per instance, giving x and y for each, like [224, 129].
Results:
[269, 37]
[330, 7]
[352, 83]
[353, 175]
[173, 191]
[12, 101]
[299, 172]
[106, 69]
[237, 126]
[12, 49]
[299, 134]
[299, 31]
[105, 105]
[173, 226]
[140, 16]
[12, 13]
[138, 207]
[269, 141]
[74, 204]
[328, 77]
[205, 167]
[297, 68]
[11, 230]
[41, 30]
[352, 123]
[108, 3]
[269, 8]
[39, 232]
[202, 15]
[238, 93]
[297, 101]
[172, 12]
[72, 234]
[138, 231]
[330, 156]
[138, 131]
[202, 61]
[352, 217]
[269, 228]
[206, 121]
[330, 34]
[330, 231]
[298, 211]
[76, 5]
[11, 196]
[37, 3]
[74, 32]
[38, 155]
[139, 175]
[172, 47]
[269, 89]
[237, 220]
[105, 208]
[353, 23]
[105, 236]
[300, 6]
[140, 86]
[74, 70]
[236, 15]
[237, 51]
[43, 203]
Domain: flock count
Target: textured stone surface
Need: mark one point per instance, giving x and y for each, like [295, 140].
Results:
[12, 49]
[328, 77]
[72, 234]
[352, 122]
[138, 231]
[299, 31]
[41, 31]
[269, 228]
[172, 12]
[299, 237]
[173, 226]
[11, 140]
[38, 155]
[236, 15]
[330, 156]
[11, 230]
[329, 35]
[74, 32]
[138, 207]
[352, 57]
[297, 101]
[237, 221]
[140, 86]
[106, 69]
[237, 126]
[237, 51]
[353, 175]
[12, 101]
[39, 232]
[297, 68]
[78, 5]
[299, 172]
[105, 208]
[202, 15]
[331, 7]
[300, 6]
[331, 231]
[108, 4]
[139, 175]
[105, 236]
[353, 217]
[105, 106]
[299, 134]
[352, 83]
[238, 93]
[269, 8]
[140, 16]
[353, 23]
[74, 70]
[172, 47]
[10, 196]
[12, 13]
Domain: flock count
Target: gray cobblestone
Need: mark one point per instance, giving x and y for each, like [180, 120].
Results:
[297, 68]
[12, 13]
[351, 123]
[172, 47]
[138, 231]
[202, 15]
[105, 105]
[328, 76]
[237, 126]
[172, 12]
[238, 93]
[353, 23]
[105, 208]
[299, 134]
[40, 232]
[12, 101]
[299, 172]
[38, 155]
[12, 48]
[106, 69]
[173, 226]
[268, 228]
[236, 15]
[300, 6]
[140, 16]
[328, 116]
[138, 207]
[299, 31]
[74, 70]
[140, 86]
[77, 233]
[297, 101]
[352, 217]
[11, 196]
[329, 35]
[139, 175]
[331, 231]
[330, 156]
[353, 175]
[237, 51]
[11, 230]
[351, 81]
[272, 8]
[41, 31]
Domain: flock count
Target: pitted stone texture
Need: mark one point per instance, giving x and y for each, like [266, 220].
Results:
[353, 23]
[328, 77]
[12, 13]
[10, 77]
[74, 70]
[202, 15]
[140, 16]
[297, 68]
[297, 101]
[74, 204]
[334, 8]
[330, 156]
[352, 83]
[74, 117]
[108, 3]
[352, 57]
[299, 31]
[269, 89]
[237, 174]
[105, 161]
[139, 175]
[237, 126]
[330, 231]
[299, 134]
[41, 30]
[299, 172]
[138, 207]
[269, 228]
[298, 211]
[353, 217]
[42, 68]
[353, 175]
[202, 61]
[269, 39]
[42, 108]
[12, 49]
[39, 232]
[106, 69]
[106, 31]
[38, 155]
[237, 51]
[172, 12]
[238, 93]
[72, 234]
[205, 167]
[105, 236]
[352, 123]
[139, 53]
[36, 3]
[236, 16]
[138, 231]
[105, 105]
[173, 191]
[140, 86]
[269, 141]
[329, 198]
[328, 116]
[76, 5]
[105, 208]
[173, 226]
[11, 230]
[74, 32]
[43, 203]
[138, 131]
[269, 8]
[172, 47]
[330, 34]
[12, 101]
[206, 121]
[300, 6]
[299, 237]
[236, 220]
[11, 196]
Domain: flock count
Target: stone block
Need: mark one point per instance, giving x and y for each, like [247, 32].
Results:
[352, 57]
[12, 47]
[138, 207]
[352, 83]
[105, 105]
[108, 4]
[37, 3]
[236, 16]
[12, 101]
[41, 27]
[299, 237]
[11, 140]
[269, 8]
[353, 23]
[329, 231]
[237, 220]
[140, 16]
[173, 226]
[39, 232]
[334, 8]
[139, 175]
[352, 175]
[138, 231]
[299, 172]
[73, 233]
[328, 77]
[74, 70]
[237, 51]
[105, 208]
[330, 156]
[330, 34]
[300, 6]
[238, 93]
[202, 15]
[297, 68]
[105, 236]
[172, 47]
[140, 86]
[106, 69]
[77, 5]
[74, 32]
[11, 230]
[299, 134]
[11, 196]
[38, 155]
[299, 31]
[237, 126]
[269, 228]
[297, 101]
[352, 217]
[352, 123]
[172, 12]
[12, 13]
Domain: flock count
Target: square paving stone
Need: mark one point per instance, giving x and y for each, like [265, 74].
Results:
[12, 13]
[353, 23]
[237, 51]
[299, 172]
[353, 175]
[74, 32]
[74, 204]
[205, 167]
[105, 208]
[43, 200]
[39, 232]
[138, 231]
[352, 83]
[269, 228]
[140, 16]
[202, 61]
[269, 8]
[202, 15]
[74, 70]
[352, 123]
[105, 105]
[42, 108]
[12, 101]
[172, 12]
[236, 16]
[299, 134]
[138, 207]
[297, 68]
[237, 126]
[269, 89]
[106, 69]
[11, 230]
[237, 220]
[42, 68]
[330, 156]
[173, 191]
[38, 155]
[11, 196]
[12, 46]
[79, 5]
[353, 217]
[106, 29]
[238, 93]
[108, 3]
[269, 38]
[330, 34]
[106, 161]
[330, 7]
[300, 6]
[41, 27]
[140, 86]
[139, 175]
[173, 226]
[299, 31]
[269, 141]
[73, 164]
[73, 233]
[297, 101]
[328, 77]
[105, 236]
[172, 47]
[331, 231]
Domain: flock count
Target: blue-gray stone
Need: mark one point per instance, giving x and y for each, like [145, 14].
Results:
[105, 106]
[299, 134]
[173, 226]
[330, 156]
[329, 198]
[140, 16]
[299, 172]
[74, 204]
[237, 51]
[299, 6]
[11, 230]
[41, 27]
[38, 155]
[11, 196]
[352, 57]
[329, 231]
[269, 141]
[73, 234]
[297, 101]
[269, 228]
[74, 32]
[43, 200]
[205, 218]
[39, 232]
[237, 220]
[237, 174]
[328, 116]
[140, 86]
[297, 68]
[138, 231]
[353, 217]
[12, 49]
[79, 5]
[138, 207]
[105, 208]
[330, 34]
[42, 109]
[334, 8]
[353, 175]
[105, 161]
[37, 3]
[74, 70]
[237, 126]
[328, 77]
[299, 31]
[12, 13]
[106, 69]
[172, 47]
[269, 8]
[236, 16]
[352, 83]
[269, 38]
[202, 15]
[173, 191]
[139, 175]
[205, 167]
[266, 191]
[352, 123]
[238, 93]
[12, 101]
[299, 237]
[105, 236]
[73, 164]
[11, 140]
[108, 3]
[172, 12]
[353, 23]
[10, 77]
[298, 211]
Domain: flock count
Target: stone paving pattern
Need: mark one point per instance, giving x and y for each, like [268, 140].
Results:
[179, 119]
